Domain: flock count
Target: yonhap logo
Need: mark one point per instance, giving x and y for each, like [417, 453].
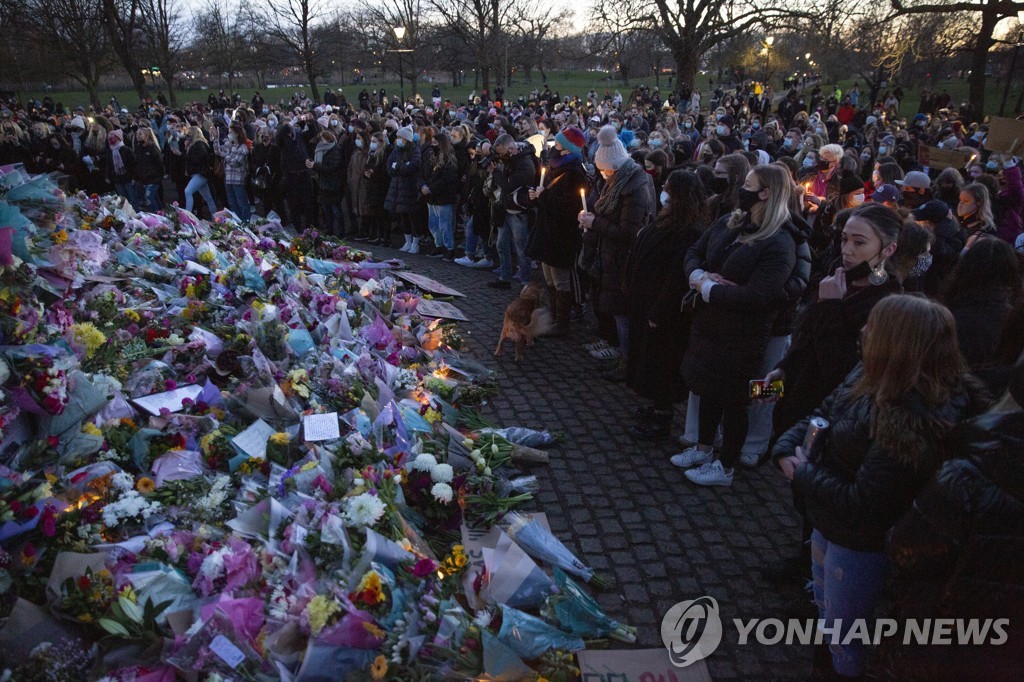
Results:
[691, 630]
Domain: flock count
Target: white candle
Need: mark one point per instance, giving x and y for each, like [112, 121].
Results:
[583, 199]
[543, 170]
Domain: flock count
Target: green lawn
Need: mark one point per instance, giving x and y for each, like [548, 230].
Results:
[563, 82]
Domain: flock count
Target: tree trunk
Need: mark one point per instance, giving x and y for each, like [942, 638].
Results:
[172, 95]
[92, 87]
[979, 60]
[624, 74]
[687, 60]
[311, 75]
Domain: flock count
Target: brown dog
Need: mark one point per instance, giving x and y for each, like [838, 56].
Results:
[525, 320]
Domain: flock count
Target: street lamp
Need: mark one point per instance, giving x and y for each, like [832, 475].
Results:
[399, 34]
[768, 42]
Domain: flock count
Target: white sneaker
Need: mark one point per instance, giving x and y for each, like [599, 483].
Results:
[408, 243]
[712, 473]
[606, 353]
[596, 345]
[483, 263]
[414, 246]
[691, 457]
[750, 459]
[466, 260]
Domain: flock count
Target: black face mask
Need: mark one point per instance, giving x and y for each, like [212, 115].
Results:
[823, 165]
[718, 185]
[858, 272]
[913, 199]
[748, 198]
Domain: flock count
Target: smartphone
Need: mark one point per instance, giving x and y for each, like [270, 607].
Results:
[760, 389]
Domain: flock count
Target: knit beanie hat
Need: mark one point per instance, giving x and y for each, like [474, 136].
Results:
[405, 133]
[571, 138]
[611, 153]
[850, 184]
[78, 122]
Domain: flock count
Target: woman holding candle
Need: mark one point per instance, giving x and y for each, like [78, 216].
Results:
[626, 205]
[555, 238]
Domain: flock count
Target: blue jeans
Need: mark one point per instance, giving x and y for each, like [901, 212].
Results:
[515, 229]
[199, 184]
[238, 201]
[127, 190]
[847, 584]
[441, 221]
[152, 194]
[472, 238]
[622, 330]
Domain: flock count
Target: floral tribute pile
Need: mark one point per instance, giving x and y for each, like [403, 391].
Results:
[230, 453]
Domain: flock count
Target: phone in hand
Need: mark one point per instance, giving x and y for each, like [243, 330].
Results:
[762, 390]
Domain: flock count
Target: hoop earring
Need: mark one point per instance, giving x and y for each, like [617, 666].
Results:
[878, 275]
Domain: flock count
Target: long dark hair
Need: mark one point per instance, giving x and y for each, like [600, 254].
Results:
[687, 207]
[988, 263]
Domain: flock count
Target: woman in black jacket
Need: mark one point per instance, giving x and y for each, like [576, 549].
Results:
[887, 425]
[119, 164]
[329, 178]
[401, 201]
[441, 188]
[149, 167]
[198, 166]
[956, 553]
[266, 171]
[555, 237]
[655, 284]
[739, 267]
[378, 226]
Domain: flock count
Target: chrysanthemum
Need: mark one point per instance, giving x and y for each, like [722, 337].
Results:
[442, 492]
[364, 510]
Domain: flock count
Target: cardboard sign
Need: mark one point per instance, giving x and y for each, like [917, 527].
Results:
[1003, 134]
[440, 309]
[427, 284]
[937, 159]
[637, 665]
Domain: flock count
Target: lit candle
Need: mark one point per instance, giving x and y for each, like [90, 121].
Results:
[543, 170]
[583, 199]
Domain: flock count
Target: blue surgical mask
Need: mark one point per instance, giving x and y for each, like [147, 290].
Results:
[373, 146]
[664, 198]
[359, 143]
[756, 125]
[992, 165]
[400, 142]
[788, 143]
[721, 130]
[351, 129]
[655, 142]
[883, 150]
[687, 125]
[416, 137]
[809, 162]
[266, 110]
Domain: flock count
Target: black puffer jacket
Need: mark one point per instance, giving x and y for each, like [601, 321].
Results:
[404, 169]
[555, 239]
[197, 159]
[859, 484]
[443, 183]
[730, 332]
[798, 280]
[957, 552]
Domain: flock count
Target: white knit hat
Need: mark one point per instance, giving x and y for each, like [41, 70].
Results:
[611, 153]
[78, 122]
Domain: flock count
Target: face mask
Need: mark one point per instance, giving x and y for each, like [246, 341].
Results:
[654, 143]
[788, 143]
[335, 123]
[664, 198]
[755, 125]
[232, 138]
[718, 185]
[913, 199]
[373, 146]
[748, 198]
[992, 165]
[351, 129]
[858, 272]
[965, 211]
[721, 130]
[857, 199]
[400, 142]
[687, 125]
[416, 137]
[865, 157]
[823, 165]
[359, 143]
[809, 162]
[380, 111]
[924, 261]
[819, 130]
[265, 110]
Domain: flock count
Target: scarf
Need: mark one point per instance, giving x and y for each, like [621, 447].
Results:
[115, 156]
[568, 159]
[611, 197]
[321, 149]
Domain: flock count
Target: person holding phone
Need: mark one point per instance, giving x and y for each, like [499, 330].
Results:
[888, 423]
[738, 268]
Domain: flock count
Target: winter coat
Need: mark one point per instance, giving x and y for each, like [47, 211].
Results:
[294, 152]
[655, 285]
[612, 235]
[266, 155]
[127, 158]
[515, 179]
[858, 485]
[149, 165]
[798, 280]
[328, 177]
[404, 169]
[730, 332]
[442, 182]
[824, 350]
[236, 162]
[555, 238]
[357, 182]
[1011, 205]
[956, 553]
[197, 159]
[377, 184]
[980, 316]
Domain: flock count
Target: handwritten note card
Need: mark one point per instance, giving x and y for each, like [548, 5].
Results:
[171, 400]
[321, 427]
[253, 441]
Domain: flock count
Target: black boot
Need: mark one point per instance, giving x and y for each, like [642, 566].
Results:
[563, 312]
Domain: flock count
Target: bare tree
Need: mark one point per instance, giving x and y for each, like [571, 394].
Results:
[220, 35]
[295, 23]
[123, 22]
[406, 14]
[74, 28]
[163, 34]
[990, 13]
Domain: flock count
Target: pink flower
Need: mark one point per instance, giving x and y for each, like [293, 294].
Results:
[423, 568]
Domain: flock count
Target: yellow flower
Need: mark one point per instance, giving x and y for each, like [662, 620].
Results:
[85, 618]
[432, 416]
[373, 629]
[319, 611]
[91, 429]
[132, 315]
[145, 485]
[280, 438]
[89, 336]
[60, 236]
[379, 668]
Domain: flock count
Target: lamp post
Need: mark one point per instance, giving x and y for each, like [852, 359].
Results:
[768, 42]
[399, 34]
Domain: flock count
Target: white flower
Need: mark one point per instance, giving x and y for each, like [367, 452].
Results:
[442, 492]
[175, 339]
[5, 372]
[442, 473]
[364, 510]
[213, 565]
[123, 482]
[424, 462]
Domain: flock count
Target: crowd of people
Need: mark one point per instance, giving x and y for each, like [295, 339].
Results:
[743, 247]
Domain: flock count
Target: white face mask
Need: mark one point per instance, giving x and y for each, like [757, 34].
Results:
[232, 138]
[664, 198]
[857, 199]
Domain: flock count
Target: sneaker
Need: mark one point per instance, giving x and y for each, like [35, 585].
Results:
[607, 353]
[691, 457]
[415, 246]
[500, 284]
[483, 263]
[467, 261]
[596, 345]
[711, 473]
[751, 459]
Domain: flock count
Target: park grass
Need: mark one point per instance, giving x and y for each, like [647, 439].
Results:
[563, 82]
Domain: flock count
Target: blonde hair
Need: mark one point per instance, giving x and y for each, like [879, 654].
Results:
[779, 184]
[195, 134]
[984, 201]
